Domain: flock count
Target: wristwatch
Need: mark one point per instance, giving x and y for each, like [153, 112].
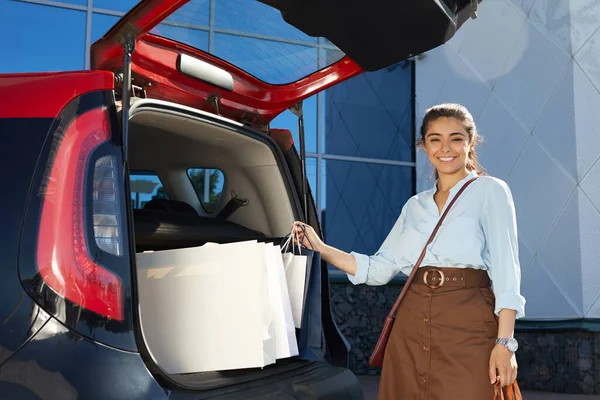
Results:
[510, 343]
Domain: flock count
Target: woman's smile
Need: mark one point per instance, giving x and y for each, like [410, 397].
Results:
[447, 158]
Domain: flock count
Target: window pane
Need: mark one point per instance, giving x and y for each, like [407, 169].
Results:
[42, 38]
[287, 120]
[117, 5]
[252, 36]
[269, 61]
[145, 186]
[311, 174]
[77, 2]
[194, 37]
[371, 115]
[254, 17]
[196, 13]
[362, 202]
[330, 55]
[101, 24]
[208, 184]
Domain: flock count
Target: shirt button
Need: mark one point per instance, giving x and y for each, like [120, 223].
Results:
[425, 348]
[423, 379]
[428, 295]
[426, 320]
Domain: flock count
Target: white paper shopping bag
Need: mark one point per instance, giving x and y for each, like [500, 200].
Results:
[295, 275]
[203, 308]
[267, 315]
[286, 344]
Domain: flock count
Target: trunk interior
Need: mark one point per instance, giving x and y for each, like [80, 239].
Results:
[167, 140]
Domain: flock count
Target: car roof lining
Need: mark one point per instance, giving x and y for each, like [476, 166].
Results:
[168, 144]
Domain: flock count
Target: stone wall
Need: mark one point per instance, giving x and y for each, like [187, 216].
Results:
[562, 361]
[567, 362]
[360, 311]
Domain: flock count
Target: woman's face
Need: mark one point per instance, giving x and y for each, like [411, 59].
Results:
[447, 145]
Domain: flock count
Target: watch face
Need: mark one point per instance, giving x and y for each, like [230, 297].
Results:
[512, 344]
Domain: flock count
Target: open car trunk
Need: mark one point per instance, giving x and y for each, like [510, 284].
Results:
[167, 139]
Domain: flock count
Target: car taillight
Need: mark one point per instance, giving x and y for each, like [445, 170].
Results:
[63, 250]
[107, 216]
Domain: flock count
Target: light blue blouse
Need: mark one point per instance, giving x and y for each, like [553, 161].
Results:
[480, 231]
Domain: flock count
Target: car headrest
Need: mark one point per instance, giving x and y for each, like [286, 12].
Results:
[174, 206]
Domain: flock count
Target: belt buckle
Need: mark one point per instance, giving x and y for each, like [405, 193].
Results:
[442, 278]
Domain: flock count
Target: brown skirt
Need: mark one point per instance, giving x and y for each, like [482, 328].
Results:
[440, 345]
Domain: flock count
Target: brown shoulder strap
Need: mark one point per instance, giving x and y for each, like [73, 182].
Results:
[422, 256]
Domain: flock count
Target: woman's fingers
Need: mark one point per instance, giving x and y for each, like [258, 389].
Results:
[505, 379]
[507, 373]
[304, 235]
[514, 374]
[492, 372]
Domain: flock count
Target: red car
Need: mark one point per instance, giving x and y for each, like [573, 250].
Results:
[69, 304]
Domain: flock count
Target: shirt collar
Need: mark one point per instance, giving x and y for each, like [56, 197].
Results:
[458, 185]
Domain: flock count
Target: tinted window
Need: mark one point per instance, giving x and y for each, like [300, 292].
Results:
[268, 60]
[257, 18]
[197, 38]
[208, 184]
[145, 186]
[250, 35]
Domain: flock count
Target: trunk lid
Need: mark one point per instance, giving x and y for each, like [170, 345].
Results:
[250, 60]
[250, 78]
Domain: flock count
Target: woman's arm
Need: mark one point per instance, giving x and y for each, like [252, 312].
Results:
[374, 270]
[506, 323]
[499, 224]
[503, 363]
[338, 258]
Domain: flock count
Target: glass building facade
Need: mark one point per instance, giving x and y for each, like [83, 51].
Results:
[359, 134]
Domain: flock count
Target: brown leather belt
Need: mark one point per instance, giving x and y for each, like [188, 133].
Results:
[436, 277]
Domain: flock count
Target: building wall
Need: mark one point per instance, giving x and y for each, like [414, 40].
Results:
[368, 120]
[529, 72]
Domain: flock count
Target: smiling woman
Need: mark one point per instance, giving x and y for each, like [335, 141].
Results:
[462, 295]
[448, 137]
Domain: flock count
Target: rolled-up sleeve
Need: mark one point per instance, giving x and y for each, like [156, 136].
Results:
[382, 267]
[499, 224]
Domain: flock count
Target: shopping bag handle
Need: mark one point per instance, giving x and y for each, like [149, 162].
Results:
[286, 245]
[303, 227]
[292, 235]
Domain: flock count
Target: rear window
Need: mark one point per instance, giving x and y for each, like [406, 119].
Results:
[145, 186]
[252, 36]
[208, 184]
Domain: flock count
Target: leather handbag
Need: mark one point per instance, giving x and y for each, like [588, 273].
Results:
[376, 359]
[510, 392]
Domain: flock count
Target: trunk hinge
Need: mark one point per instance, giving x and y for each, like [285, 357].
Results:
[214, 101]
[128, 43]
[296, 109]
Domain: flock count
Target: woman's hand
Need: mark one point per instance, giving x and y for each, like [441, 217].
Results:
[503, 366]
[306, 236]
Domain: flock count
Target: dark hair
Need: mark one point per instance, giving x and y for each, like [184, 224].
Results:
[461, 114]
